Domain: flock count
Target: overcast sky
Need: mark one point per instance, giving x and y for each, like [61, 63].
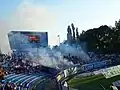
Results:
[54, 16]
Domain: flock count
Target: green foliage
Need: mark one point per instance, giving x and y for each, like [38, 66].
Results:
[103, 39]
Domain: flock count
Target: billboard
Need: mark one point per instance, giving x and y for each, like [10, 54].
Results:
[22, 40]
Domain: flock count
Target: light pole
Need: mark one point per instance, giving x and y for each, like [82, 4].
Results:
[0, 50]
[59, 38]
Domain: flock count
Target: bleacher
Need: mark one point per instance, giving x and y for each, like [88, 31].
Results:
[23, 80]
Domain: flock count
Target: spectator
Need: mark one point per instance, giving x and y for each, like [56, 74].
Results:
[8, 86]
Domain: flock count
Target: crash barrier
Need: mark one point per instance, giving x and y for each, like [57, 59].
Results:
[96, 65]
[87, 67]
[78, 69]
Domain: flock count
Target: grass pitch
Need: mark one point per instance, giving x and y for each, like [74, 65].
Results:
[92, 82]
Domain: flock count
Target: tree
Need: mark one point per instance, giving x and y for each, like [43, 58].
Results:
[77, 34]
[73, 28]
[117, 25]
[98, 39]
[104, 39]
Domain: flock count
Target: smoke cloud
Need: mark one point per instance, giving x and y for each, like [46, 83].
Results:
[28, 16]
[74, 50]
[41, 56]
[49, 58]
[31, 17]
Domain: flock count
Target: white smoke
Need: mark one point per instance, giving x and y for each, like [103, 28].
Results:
[49, 58]
[28, 16]
[40, 56]
[74, 50]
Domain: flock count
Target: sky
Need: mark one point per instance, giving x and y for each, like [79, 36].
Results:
[54, 16]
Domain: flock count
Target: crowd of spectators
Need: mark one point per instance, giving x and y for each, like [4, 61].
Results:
[94, 57]
[114, 58]
[20, 64]
[74, 59]
[8, 86]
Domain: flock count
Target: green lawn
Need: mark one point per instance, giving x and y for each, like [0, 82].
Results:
[92, 82]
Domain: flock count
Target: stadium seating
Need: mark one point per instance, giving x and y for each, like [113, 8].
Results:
[23, 80]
